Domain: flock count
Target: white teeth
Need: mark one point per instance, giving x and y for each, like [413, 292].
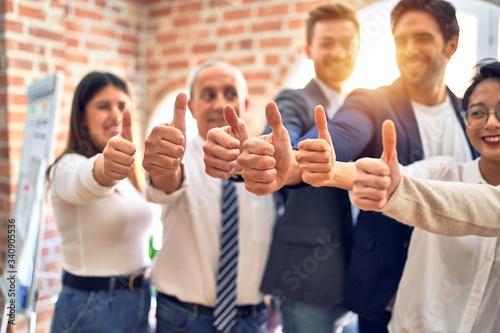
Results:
[492, 138]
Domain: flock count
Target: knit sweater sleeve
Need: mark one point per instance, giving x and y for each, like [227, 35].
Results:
[446, 208]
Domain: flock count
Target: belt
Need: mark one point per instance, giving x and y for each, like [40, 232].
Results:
[243, 310]
[134, 281]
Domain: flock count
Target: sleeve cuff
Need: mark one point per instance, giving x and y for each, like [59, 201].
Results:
[87, 180]
[158, 196]
[396, 200]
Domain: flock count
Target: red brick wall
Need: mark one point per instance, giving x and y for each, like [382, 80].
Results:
[262, 38]
[74, 37]
[152, 44]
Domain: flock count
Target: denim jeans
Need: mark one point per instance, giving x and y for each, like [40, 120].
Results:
[104, 311]
[298, 317]
[171, 317]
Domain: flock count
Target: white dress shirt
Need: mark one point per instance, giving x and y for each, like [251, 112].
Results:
[186, 266]
[104, 230]
[449, 284]
[335, 99]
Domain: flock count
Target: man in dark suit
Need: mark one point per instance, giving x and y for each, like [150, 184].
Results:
[309, 253]
[312, 238]
[428, 123]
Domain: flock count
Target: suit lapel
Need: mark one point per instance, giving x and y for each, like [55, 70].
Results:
[401, 104]
[315, 94]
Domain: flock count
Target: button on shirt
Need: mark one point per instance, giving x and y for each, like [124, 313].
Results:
[186, 266]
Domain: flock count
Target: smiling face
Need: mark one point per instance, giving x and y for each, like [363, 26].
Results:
[214, 87]
[333, 48]
[103, 115]
[421, 52]
[486, 140]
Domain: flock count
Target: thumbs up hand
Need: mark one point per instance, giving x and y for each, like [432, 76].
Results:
[118, 155]
[316, 157]
[165, 147]
[126, 132]
[265, 160]
[223, 146]
[376, 179]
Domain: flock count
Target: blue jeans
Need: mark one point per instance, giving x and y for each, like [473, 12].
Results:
[298, 317]
[104, 311]
[172, 317]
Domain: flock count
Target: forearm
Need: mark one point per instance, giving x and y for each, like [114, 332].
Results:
[446, 208]
[343, 175]
[171, 183]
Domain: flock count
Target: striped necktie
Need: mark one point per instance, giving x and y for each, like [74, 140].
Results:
[225, 306]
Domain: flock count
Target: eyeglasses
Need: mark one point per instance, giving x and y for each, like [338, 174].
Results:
[477, 117]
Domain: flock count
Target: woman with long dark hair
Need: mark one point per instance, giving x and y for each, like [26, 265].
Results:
[102, 217]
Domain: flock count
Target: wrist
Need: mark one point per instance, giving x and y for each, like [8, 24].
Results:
[168, 183]
[99, 174]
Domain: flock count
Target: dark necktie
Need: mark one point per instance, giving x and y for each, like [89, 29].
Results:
[225, 306]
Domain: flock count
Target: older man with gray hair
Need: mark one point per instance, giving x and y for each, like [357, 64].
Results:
[216, 235]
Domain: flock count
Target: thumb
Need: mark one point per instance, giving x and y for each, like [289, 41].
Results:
[231, 117]
[238, 127]
[273, 118]
[180, 113]
[322, 124]
[126, 131]
[389, 138]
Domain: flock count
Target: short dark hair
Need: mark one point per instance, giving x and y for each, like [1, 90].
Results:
[442, 11]
[484, 70]
[331, 11]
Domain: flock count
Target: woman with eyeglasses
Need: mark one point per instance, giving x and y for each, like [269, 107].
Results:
[452, 284]
[449, 284]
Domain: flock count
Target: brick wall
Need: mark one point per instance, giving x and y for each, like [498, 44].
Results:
[74, 37]
[150, 43]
